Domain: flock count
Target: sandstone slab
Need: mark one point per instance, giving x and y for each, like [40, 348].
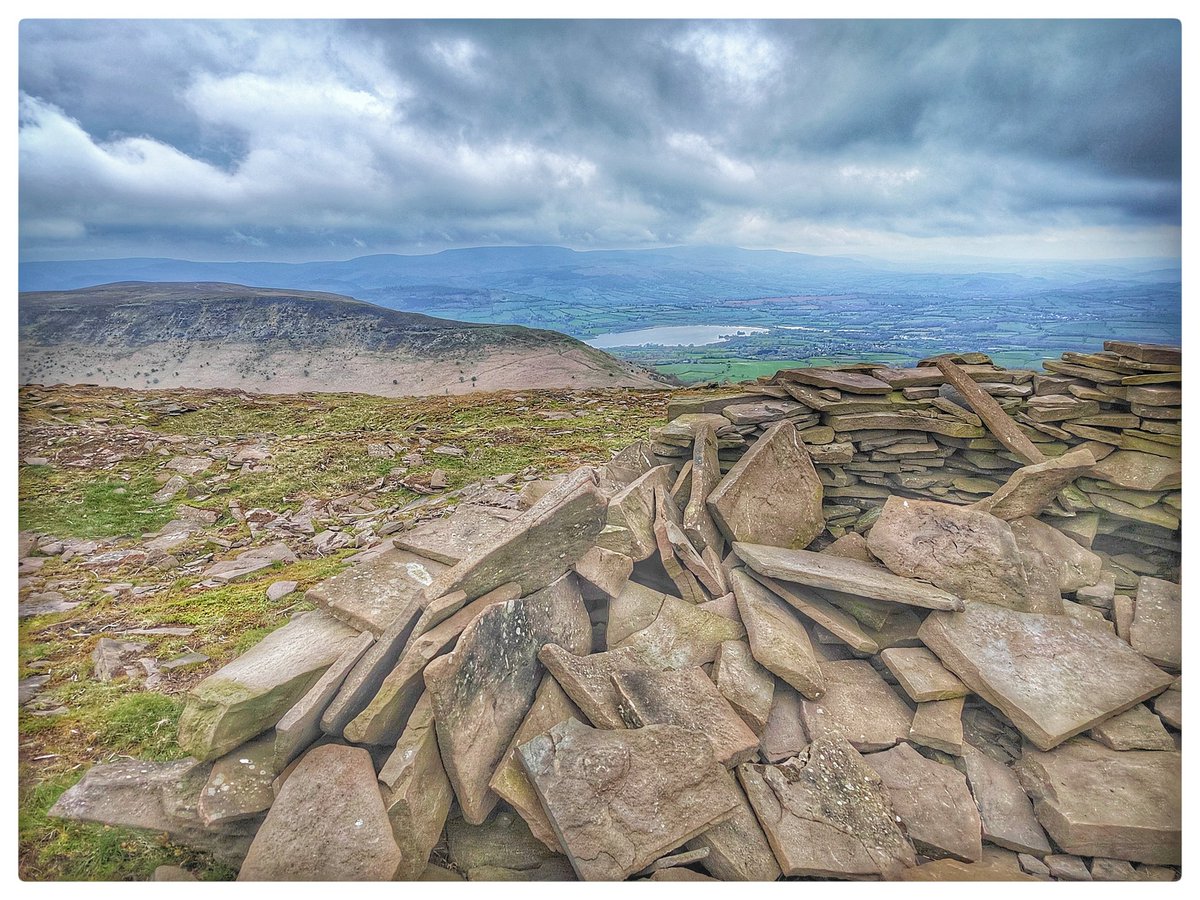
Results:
[858, 705]
[252, 693]
[815, 607]
[668, 632]
[938, 724]
[1094, 801]
[1157, 628]
[249, 562]
[1044, 548]
[1139, 471]
[629, 518]
[373, 594]
[588, 680]
[483, 689]
[1052, 678]
[619, 800]
[922, 674]
[327, 824]
[772, 495]
[777, 637]
[1030, 489]
[1004, 807]
[698, 522]
[1003, 428]
[996, 865]
[239, 785]
[744, 683]
[1135, 729]
[738, 849]
[470, 529]
[784, 735]
[605, 570]
[827, 814]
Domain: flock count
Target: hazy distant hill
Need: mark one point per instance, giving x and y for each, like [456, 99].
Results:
[135, 334]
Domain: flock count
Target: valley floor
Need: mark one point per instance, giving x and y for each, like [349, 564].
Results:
[103, 557]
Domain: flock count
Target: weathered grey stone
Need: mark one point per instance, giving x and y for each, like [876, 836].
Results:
[821, 377]
[280, 589]
[239, 785]
[132, 793]
[537, 547]
[827, 814]
[933, 803]
[385, 715]
[996, 865]
[970, 553]
[815, 607]
[249, 562]
[784, 735]
[327, 824]
[838, 573]
[470, 529]
[1139, 471]
[772, 495]
[45, 603]
[1004, 808]
[550, 707]
[252, 693]
[1135, 729]
[605, 570]
[698, 522]
[373, 594]
[744, 683]
[172, 873]
[587, 680]
[483, 689]
[1031, 865]
[922, 674]
[626, 466]
[668, 632]
[938, 724]
[1157, 628]
[1067, 868]
[859, 705]
[1031, 489]
[777, 638]
[1094, 801]
[618, 800]
[738, 849]
[502, 842]
[109, 656]
[1051, 677]
[629, 520]
[416, 794]
[301, 725]
[689, 699]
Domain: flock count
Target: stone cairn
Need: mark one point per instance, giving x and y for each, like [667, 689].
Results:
[852, 622]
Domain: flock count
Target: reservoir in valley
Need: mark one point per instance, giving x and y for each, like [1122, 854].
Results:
[673, 336]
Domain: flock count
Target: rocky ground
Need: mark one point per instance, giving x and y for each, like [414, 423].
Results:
[115, 629]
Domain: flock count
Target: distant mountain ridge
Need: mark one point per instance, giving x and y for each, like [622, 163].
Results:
[204, 334]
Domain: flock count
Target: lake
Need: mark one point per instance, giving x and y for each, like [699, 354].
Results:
[673, 336]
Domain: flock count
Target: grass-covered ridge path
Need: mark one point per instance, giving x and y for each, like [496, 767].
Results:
[285, 468]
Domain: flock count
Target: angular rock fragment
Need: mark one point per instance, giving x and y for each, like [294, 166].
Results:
[689, 699]
[605, 570]
[1139, 471]
[999, 424]
[629, 519]
[858, 705]
[1135, 729]
[823, 613]
[738, 849]
[239, 785]
[1050, 677]
[468, 530]
[698, 522]
[772, 495]
[587, 680]
[996, 865]
[933, 803]
[667, 632]
[1157, 628]
[826, 814]
[327, 824]
[252, 693]
[1094, 801]
[416, 793]
[744, 683]
[784, 735]
[483, 689]
[373, 594]
[938, 724]
[777, 638]
[249, 562]
[618, 800]
[922, 674]
[1030, 489]
[1042, 546]
[550, 707]
[1169, 704]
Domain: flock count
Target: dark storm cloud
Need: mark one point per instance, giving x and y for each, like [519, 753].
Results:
[286, 139]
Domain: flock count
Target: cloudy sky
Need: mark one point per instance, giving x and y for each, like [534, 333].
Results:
[326, 140]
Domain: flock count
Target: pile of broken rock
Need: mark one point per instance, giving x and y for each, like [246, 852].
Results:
[689, 664]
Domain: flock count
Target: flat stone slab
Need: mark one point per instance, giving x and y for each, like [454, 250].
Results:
[858, 705]
[1169, 704]
[816, 608]
[938, 724]
[619, 800]
[1094, 801]
[933, 803]
[551, 706]
[248, 563]
[1004, 808]
[777, 638]
[1157, 628]
[1052, 678]
[254, 691]
[372, 594]
[838, 573]
[239, 786]
[738, 849]
[689, 699]
[996, 865]
[327, 824]
[668, 632]
[784, 735]
[827, 814]
[1067, 566]
[969, 553]
[416, 792]
[698, 522]
[629, 518]
[588, 680]
[605, 570]
[482, 691]
[922, 674]
[1031, 489]
[851, 382]
[1135, 729]
[502, 844]
[772, 495]
[469, 529]
[537, 547]
[1136, 471]
[744, 683]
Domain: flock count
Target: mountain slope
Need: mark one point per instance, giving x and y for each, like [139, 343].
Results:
[137, 334]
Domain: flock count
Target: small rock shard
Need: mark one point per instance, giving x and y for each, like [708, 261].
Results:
[1004, 807]
[1135, 729]
[738, 849]
[938, 724]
